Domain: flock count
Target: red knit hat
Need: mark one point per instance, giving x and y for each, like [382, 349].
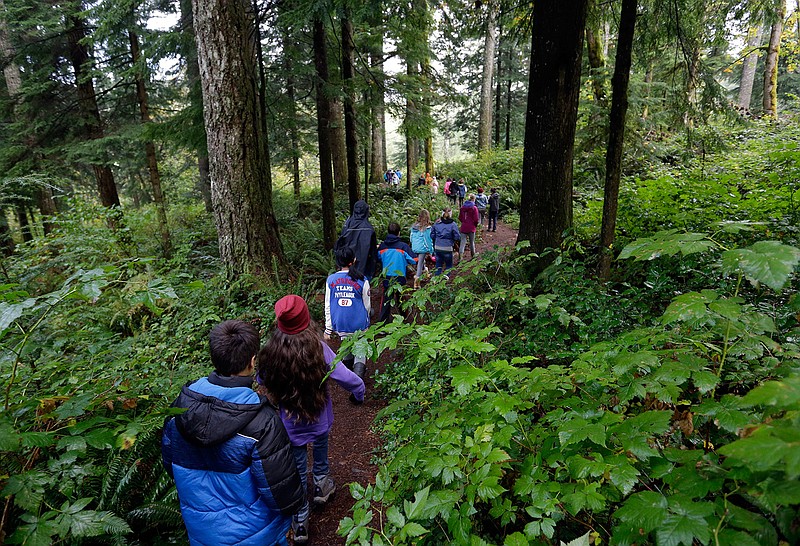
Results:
[292, 314]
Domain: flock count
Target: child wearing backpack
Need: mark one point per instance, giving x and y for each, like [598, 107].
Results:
[396, 256]
[444, 236]
[347, 305]
[293, 366]
[481, 202]
[494, 209]
[421, 242]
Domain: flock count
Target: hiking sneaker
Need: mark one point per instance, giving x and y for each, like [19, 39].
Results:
[324, 490]
[300, 531]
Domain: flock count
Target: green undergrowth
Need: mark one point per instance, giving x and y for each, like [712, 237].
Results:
[559, 411]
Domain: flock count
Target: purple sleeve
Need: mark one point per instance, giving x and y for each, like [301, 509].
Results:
[348, 380]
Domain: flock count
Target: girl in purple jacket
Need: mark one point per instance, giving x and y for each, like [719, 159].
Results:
[292, 367]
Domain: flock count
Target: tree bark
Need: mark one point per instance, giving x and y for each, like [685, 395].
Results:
[498, 91]
[241, 188]
[770, 102]
[554, 85]
[6, 242]
[149, 146]
[350, 128]
[485, 113]
[508, 104]
[338, 142]
[22, 219]
[79, 57]
[288, 66]
[411, 145]
[754, 37]
[324, 135]
[616, 137]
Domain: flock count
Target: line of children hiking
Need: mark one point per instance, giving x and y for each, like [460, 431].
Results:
[244, 452]
[239, 456]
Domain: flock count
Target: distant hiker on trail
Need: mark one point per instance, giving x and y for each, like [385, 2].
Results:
[481, 202]
[470, 219]
[462, 192]
[494, 209]
[396, 256]
[421, 242]
[391, 178]
[292, 367]
[451, 190]
[444, 235]
[359, 235]
[229, 450]
[434, 186]
[421, 180]
[347, 306]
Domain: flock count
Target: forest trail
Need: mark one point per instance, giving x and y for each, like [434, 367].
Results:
[352, 443]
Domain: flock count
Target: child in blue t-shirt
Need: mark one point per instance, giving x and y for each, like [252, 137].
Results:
[347, 306]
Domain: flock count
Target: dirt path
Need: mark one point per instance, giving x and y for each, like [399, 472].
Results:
[352, 442]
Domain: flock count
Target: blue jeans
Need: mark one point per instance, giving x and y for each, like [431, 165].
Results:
[444, 261]
[319, 470]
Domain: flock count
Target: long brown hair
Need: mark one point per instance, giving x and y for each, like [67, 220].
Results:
[424, 219]
[292, 368]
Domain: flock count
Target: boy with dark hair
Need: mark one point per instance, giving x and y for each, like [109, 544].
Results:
[229, 453]
[396, 256]
[494, 209]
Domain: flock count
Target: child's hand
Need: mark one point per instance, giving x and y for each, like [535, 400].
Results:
[326, 337]
[354, 400]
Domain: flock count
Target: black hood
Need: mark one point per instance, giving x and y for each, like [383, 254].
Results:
[210, 421]
[361, 210]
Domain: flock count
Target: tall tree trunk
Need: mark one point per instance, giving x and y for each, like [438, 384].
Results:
[498, 91]
[485, 113]
[770, 102]
[241, 193]
[555, 70]
[429, 165]
[149, 146]
[87, 99]
[378, 122]
[22, 219]
[6, 242]
[350, 129]
[648, 83]
[427, 141]
[754, 37]
[13, 77]
[411, 145]
[616, 137]
[508, 104]
[196, 100]
[324, 135]
[338, 143]
[288, 66]
[594, 50]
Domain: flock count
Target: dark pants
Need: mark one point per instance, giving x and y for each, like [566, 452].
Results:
[482, 212]
[392, 286]
[444, 261]
[493, 220]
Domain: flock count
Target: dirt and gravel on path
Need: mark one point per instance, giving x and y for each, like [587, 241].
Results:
[352, 443]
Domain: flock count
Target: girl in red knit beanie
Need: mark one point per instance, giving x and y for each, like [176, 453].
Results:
[292, 367]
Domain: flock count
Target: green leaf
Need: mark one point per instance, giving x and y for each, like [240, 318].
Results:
[515, 539]
[414, 509]
[578, 429]
[784, 394]
[666, 243]
[395, 517]
[9, 312]
[685, 522]
[465, 377]
[689, 307]
[623, 475]
[413, 529]
[75, 406]
[584, 540]
[646, 510]
[765, 262]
